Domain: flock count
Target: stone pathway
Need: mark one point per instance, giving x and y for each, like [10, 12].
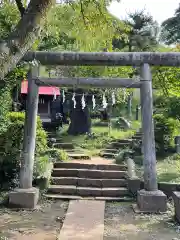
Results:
[84, 221]
[95, 160]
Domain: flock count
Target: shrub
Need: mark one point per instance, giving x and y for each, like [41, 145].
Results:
[5, 105]
[57, 154]
[165, 131]
[11, 141]
[42, 171]
[173, 110]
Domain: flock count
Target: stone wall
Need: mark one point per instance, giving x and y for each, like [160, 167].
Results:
[168, 188]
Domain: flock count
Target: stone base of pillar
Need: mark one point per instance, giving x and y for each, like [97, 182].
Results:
[134, 185]
[24, 198]
[151, 201]
[176, 198]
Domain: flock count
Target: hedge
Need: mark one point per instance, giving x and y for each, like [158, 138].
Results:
[11, 142]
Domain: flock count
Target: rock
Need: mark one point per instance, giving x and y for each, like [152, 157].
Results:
[124, 123]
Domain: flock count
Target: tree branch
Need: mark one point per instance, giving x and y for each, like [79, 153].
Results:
[20, 7]
[22, 38]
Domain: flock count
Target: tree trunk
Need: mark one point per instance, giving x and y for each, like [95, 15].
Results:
[22, 38]
[80, 119]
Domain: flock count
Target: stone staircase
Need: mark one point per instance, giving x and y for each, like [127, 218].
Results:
[113, 148]
[89, 181]
[73, 152]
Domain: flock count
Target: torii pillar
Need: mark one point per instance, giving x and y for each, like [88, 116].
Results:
[150, 199]
[27, 196]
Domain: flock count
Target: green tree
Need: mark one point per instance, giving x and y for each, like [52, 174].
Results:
[23, 34]
[91, 30]
[170, 29]
[166, 79]
[142, 34]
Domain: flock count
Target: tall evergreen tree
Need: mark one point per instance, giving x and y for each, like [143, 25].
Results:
[170, 33]
[142, 34]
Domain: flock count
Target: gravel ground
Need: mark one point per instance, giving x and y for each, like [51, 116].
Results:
[43, 223]
[121, 223]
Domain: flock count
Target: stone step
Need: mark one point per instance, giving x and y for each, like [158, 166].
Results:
[110, 150]
[64, 145]
[88, 182]
[88, 191]
[51, 134]
[118, 145]
[71, 165]
[75, 155]
[77, 151]
[75, 197]
[125, 141]
[55, 140]
[138, 134]
[137, 137]
[107, 155]
[88, 173]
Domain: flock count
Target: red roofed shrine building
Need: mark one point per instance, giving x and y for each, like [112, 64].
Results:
[46, 96]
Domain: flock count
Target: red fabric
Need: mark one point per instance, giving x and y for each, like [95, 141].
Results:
[42, 90]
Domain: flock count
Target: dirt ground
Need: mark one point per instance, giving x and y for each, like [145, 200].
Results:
[44, 223]
[121, 223]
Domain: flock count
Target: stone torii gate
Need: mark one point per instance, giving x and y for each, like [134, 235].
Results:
[150, 199]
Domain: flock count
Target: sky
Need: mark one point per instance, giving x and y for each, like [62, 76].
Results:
[159, 9]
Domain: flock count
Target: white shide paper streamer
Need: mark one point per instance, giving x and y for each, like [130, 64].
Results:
[93, 101]
[74, 100]
[104, 102]
[113, 99]
[83, 102]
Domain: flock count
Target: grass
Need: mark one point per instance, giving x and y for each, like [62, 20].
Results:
[168, 169]
[101, 136]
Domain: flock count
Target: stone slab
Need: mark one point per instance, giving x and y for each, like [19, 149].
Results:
[114, 174]
[64, 172]
[176, 198]
[79, 156]
[64, 145]
[24, 198]
[113, 183]
[108, 155]
[74, 165]
[112, 167]
[84, 173]
[151, 201]
[110, 150]
[89, 182]
[114, 192]
[84, 221]
[64, 180]
[62, 189]
[84, 191]
[75, 197]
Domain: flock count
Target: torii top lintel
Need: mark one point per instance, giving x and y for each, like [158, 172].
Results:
[105, 58]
